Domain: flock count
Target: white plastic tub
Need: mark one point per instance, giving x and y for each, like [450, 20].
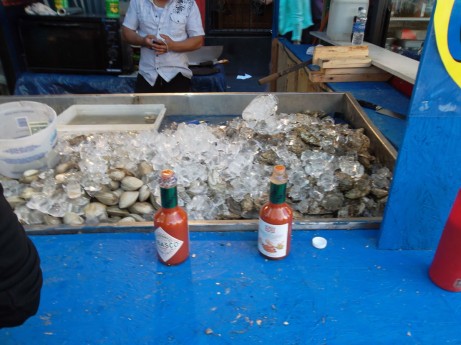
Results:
[105, 117]
[27, 137]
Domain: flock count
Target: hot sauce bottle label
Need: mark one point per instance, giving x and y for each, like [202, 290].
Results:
[167, 245]
[272, 239]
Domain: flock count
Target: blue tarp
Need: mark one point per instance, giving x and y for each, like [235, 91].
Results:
[30, 83]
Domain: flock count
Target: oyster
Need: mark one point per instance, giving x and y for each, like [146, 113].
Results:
[222, 172]
[361, 188]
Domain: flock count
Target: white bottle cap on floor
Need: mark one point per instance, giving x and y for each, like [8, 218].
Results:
[319, 242]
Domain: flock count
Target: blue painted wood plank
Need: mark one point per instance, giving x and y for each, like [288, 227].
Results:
[427, 176]
[108, 288]
[385, 95]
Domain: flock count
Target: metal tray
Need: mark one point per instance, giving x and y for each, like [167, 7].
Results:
[108, 117]
[208, 104]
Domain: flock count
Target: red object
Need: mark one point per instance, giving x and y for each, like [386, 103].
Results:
[201, 6]
[445, 270]
[174, 222]
[273, 215]
[171, 226]
[408, 34]
[275, 219]
[401, 85]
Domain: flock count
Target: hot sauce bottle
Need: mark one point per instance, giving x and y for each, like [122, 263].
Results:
[170, 221]
[275, 219]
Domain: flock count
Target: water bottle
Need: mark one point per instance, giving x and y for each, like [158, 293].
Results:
[358, 30]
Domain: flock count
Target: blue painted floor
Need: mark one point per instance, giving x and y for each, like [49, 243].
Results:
[110, 289]
[246, 85]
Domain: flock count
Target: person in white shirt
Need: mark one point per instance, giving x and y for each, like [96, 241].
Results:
[165, 30]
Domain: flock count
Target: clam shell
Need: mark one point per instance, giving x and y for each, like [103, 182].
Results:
[137, 217]
[107, 198]
[119, 192]
[131, 183]
[142, 208]
[112, 220]
[61, 178]
[127, 220]
[15, 201]
[95, 210]
[31, 172]
[71, 218]
[29, 176]
[50, 220]
[128, 198]
[28, 193]
[64, 167]
[117, 175]
[144, 168]
[154, 202]
[116, 212]
[114, 185]
[144, 193]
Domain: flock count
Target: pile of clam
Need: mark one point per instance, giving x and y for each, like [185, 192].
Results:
[223, 173]
[57, 196]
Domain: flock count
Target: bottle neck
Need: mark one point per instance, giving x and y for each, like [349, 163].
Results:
[169, 197]
[278, 193]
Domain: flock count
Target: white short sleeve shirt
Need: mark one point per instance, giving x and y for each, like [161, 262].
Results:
[179, 19]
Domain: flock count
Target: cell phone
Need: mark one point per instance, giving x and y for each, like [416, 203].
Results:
[158, 40]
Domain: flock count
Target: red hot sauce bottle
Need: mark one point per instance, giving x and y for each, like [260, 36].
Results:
[275, 219]
[170, 221]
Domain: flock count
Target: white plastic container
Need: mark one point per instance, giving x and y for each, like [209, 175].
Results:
[341, 18]
[27, 137]
[111, 117]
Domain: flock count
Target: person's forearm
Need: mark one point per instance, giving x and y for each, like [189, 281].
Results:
[190, 44]
[132, 37]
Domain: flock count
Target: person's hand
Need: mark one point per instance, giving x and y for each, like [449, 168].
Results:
[160, 46]
[168, 42]
[148, 41]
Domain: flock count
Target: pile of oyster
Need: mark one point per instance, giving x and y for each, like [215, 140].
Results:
[223, 172]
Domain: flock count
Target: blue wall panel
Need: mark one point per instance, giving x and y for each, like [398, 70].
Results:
[428, 170]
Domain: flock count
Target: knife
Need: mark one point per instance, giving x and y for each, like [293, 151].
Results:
[381, 110]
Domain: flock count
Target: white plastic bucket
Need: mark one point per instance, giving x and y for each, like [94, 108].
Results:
[341, 18]
[28, 137]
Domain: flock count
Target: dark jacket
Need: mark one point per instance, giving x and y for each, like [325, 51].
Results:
[20, 273]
